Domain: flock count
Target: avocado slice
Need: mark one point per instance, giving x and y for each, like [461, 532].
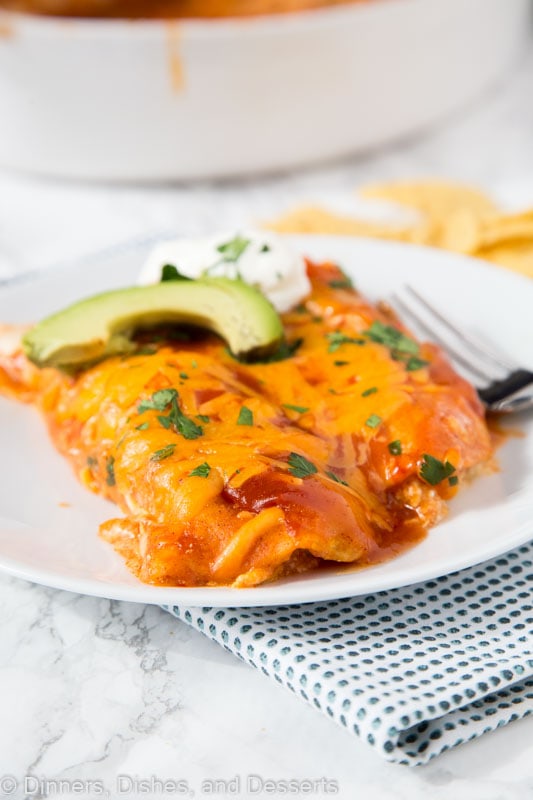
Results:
[100, 326]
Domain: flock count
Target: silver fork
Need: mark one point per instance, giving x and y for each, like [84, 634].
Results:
[502, 384]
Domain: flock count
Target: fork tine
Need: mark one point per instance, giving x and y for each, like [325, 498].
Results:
[481, 350]
[449, 347]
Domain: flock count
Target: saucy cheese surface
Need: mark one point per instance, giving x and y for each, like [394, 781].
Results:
[232, 473]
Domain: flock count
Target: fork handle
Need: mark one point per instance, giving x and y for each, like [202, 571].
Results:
[509, 394]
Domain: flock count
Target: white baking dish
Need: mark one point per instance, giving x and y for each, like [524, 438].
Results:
[150, 100]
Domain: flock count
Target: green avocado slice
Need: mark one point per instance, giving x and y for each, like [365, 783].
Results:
[100, 326]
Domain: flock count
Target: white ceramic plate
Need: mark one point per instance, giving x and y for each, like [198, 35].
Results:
[48, 522]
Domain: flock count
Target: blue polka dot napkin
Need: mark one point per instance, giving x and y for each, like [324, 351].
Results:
[412, 671]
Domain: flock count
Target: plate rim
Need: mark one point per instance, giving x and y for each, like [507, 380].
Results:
[286, 592]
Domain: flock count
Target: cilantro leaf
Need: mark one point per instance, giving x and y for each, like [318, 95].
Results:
[159, 400]
[143, 426]
[171, 273]
[395, 448]
[336, 478]
[231, 251]
[165, 452]
[392, 338]
[414, 363]
[110, 470]
[341, 283]
[202, 471]
[370, 391]
[183, 424]
[299, 409]
[300, 467]
[344, 282]
[245, 417]
[337, 338]
[373, 421]
[434, 471]
[176, 419]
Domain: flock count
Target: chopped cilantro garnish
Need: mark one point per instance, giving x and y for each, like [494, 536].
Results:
[165, 452]
[337, 338]
[453, 480]
[171, 273]
[265, 249]
[176, 418]
[341, 283]
[183, 424]
[373, 421]
[300, 467]
[344, 282]
[415, 363]
[203, 418]
[392, 338]
[395, 447]
[299, 409]
[143, 426]
[300, 309]
[159, 400]
[341, 363]
[368, 392]
[110, 470]
[245, 417]
[434, 471]
[202, 471]
[233, 250]
[401, 347]
[184, 376]
[336, 478]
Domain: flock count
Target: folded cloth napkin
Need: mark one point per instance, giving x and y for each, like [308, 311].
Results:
[412, 671]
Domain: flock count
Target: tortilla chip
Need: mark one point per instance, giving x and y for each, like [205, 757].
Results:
[314, 219]
[436, 199]
[517, 256]
[450, 216]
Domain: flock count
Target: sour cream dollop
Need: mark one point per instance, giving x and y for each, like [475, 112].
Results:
[261, 259]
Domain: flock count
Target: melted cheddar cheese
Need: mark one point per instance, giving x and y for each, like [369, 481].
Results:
[254, 471]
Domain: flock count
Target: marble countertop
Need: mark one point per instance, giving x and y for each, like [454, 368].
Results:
[90, 689]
